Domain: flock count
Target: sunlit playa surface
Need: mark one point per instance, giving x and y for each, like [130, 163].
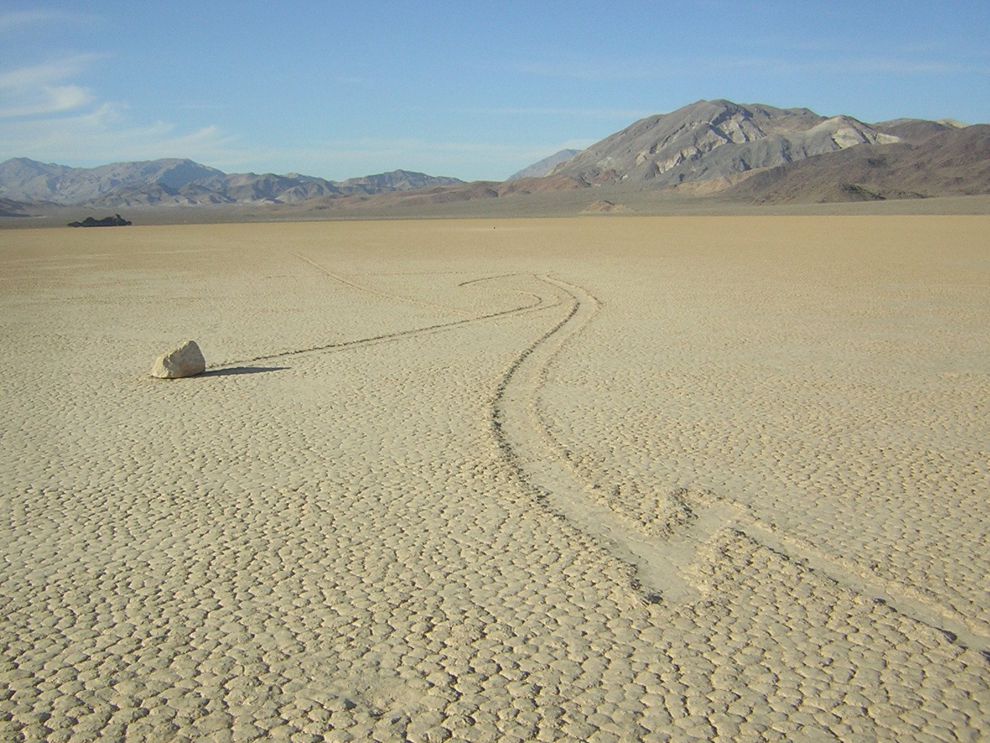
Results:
[578, 479]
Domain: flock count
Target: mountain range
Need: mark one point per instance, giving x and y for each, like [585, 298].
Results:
[762, 154]
[749, 153]
[711, 140]
[953, 162]
[184, 182]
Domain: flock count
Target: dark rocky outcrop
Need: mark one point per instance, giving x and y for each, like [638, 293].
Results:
[115, 221]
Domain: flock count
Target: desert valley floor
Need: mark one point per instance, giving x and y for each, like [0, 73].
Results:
[604, 478]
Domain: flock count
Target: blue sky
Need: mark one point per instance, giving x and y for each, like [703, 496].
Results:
[475, 90]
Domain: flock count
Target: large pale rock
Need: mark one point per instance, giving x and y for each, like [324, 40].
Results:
[185, 361]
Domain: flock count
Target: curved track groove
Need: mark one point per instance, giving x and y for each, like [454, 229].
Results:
[537, 305]
[488, 278]
[518, 432]
[663, 564]
[376, 292]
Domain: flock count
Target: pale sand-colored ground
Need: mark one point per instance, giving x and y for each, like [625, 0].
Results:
[588, 479]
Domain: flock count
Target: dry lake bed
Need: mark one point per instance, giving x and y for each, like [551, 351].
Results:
[608, 479]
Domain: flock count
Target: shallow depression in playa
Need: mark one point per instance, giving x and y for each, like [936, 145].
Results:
[611, 478]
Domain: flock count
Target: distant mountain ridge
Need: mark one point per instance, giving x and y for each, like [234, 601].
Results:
[173, 181]
[744, 152]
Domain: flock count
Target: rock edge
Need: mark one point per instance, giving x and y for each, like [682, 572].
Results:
[185, 361]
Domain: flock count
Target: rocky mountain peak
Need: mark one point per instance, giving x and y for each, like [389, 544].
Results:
[714, 140]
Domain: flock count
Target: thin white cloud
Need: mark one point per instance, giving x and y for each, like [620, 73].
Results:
[899, 66]
[45, 89]
[615, 70]
[16, 20]
[344, 79]
[596, 71]
[192, 106]
[339, 159]
[49, 100]
[844, 65]
[57, 70]
[591, 113]
[398, 151]
[45, 113]
[104, 134]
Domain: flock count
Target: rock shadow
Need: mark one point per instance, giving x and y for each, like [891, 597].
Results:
[238, 370]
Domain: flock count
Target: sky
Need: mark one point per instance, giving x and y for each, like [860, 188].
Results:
[475, 90]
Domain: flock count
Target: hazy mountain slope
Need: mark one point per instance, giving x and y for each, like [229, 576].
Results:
[184, 182]
[24, 179]
[11, 208]
[953, 162]
[543, 167]
[711, 140]
[28, 180]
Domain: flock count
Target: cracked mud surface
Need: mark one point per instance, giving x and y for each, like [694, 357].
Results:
[659, 479]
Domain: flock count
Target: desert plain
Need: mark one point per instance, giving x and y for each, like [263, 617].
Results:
[600, 478]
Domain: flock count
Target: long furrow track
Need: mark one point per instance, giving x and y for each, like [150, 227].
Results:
[663, 564]
[535, 303]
